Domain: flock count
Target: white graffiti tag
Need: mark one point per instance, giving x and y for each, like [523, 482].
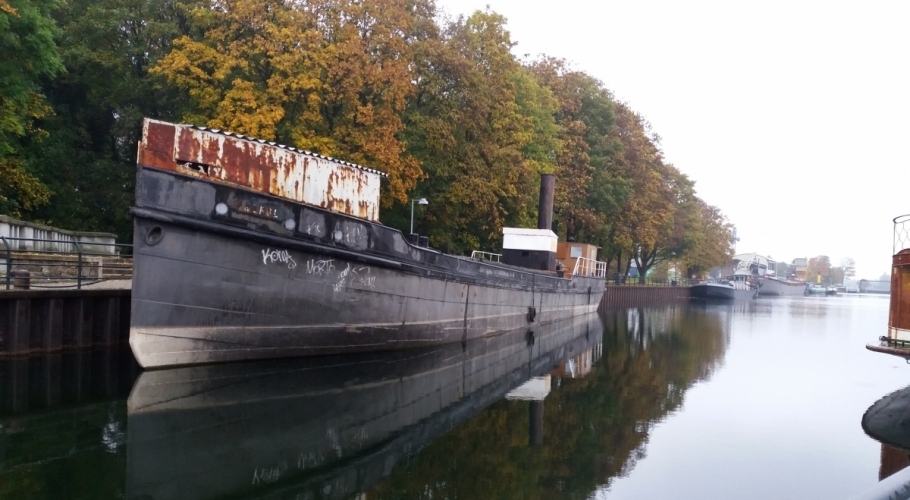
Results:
[363, 278]
[270, 256]
[268, 475]
[342, 278]
[354, 276]
[319, 267]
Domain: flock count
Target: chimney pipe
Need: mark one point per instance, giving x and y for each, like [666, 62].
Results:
[545, 208]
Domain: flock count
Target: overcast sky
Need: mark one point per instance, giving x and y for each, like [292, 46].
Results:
[792, 117]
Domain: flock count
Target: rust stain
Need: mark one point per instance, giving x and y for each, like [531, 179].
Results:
[261, 167]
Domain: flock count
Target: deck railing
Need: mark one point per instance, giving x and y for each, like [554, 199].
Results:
[620, 279]
[901, 234]
[590, 267]
[52, 265]
[490, 256]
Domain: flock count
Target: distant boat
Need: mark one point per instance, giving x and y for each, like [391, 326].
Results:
[772, 285]
[723, 290]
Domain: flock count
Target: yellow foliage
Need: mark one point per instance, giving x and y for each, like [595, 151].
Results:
[330, 76]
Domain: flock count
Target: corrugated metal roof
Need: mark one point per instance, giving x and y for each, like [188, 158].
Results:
[283, 146]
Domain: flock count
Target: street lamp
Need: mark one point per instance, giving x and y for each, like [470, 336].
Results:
[421, 201]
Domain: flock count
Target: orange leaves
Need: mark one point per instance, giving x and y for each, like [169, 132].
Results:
[323, 75]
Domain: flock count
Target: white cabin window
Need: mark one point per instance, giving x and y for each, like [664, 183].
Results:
[575, 252]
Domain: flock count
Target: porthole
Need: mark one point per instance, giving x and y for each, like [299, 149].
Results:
[290, 224]
[221, 209]
[153, 237]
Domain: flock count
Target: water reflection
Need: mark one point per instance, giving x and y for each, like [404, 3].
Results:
[557, 414]
[595, 427]
[323, 428]
[63, 424]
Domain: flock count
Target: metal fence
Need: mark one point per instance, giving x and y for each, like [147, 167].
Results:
[901, 239]
[490, 256]
[589, 267]
[43, 263]
[619, 279]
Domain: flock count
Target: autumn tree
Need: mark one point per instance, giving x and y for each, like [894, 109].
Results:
[88, 160]
[324, 75]
[646, 217]
[29, 56]
[588, 192]
[712, 242]
[483, 129]
[818, 266]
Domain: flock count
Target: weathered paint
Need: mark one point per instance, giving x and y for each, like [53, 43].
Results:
[262, 166]
[899, 315]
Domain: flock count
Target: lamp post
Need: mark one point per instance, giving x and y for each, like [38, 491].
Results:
[419, 201]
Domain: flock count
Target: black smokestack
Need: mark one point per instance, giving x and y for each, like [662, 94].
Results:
[545, 209]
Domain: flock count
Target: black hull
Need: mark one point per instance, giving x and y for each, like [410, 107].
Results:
[210, 288]
[709, 291]
[322, 427]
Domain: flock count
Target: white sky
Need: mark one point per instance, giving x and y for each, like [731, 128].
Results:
[790, 116]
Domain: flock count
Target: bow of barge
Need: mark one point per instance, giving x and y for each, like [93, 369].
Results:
[246, 249]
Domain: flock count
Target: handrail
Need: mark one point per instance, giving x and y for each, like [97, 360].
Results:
[78, 266]
[901, 237]
[64, 242]
[590, 267]
[490, 256]
[54, 268]
[9, 261]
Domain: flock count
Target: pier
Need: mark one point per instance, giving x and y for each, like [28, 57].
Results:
[46, 321]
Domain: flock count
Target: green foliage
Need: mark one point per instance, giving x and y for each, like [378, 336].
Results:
[482, 129]
[29, 57]
[443, 106]
[87, 159]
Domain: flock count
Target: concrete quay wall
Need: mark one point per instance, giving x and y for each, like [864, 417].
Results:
[643, 295]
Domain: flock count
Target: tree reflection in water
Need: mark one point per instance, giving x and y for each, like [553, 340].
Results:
[595, 427]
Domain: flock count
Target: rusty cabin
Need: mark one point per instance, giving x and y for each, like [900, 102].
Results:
[262, 166]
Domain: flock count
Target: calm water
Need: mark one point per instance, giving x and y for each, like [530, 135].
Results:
[753, 400]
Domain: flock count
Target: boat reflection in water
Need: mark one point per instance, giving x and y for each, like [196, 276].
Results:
[326, 428]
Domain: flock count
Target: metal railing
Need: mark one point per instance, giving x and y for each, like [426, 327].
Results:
[589, 267]
[56, 267]
[490, 256]
[901, 239]
[619, 279]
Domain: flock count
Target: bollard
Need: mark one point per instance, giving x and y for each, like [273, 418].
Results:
[21, 279]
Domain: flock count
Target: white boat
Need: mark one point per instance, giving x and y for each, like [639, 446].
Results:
[772, 285]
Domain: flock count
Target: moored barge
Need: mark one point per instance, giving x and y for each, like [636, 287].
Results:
[897, 341]
[247, 249]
